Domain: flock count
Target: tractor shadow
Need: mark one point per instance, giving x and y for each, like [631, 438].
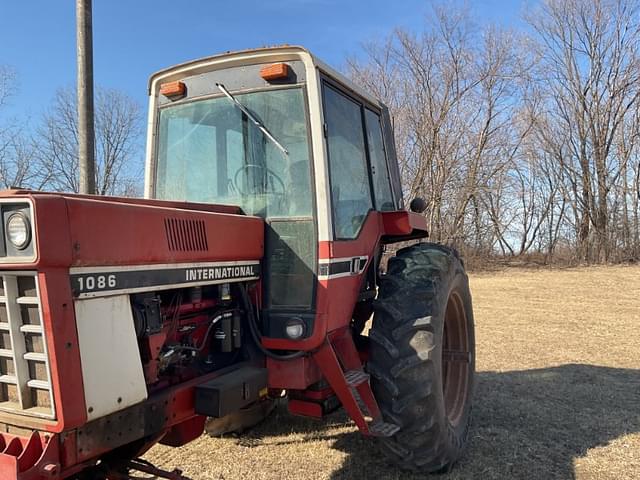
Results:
[526, 424]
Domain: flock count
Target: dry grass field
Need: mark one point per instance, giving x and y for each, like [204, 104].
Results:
[557, 394]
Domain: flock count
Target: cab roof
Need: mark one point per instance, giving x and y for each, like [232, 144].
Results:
[249, 57]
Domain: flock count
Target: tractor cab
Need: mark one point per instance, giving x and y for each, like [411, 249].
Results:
[284, 137]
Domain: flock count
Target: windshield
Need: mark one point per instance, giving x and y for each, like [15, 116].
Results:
[210, 151]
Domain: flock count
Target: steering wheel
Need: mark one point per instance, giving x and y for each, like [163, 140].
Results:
[266, 180]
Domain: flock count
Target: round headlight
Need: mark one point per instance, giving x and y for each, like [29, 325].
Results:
[18, 231]
[294, 328]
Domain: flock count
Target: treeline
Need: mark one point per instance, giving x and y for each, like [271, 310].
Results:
[42, 153]
[523, 143]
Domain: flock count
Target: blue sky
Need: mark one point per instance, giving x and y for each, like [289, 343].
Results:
[134, 38]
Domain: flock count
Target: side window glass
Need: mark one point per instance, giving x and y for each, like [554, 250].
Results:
[350, 192]
[379, 170]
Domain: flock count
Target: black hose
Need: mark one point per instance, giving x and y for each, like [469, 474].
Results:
[255, 334]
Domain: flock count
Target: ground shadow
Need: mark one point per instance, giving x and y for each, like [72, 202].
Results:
[526, 424]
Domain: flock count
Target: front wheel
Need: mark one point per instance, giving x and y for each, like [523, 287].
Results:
[422, 358]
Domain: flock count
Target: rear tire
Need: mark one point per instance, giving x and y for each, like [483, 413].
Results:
[422, 356]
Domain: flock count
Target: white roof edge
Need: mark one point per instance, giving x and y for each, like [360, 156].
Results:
[245, 57]
[336, 75]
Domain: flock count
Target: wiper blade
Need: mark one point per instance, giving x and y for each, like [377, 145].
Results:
[253, 118]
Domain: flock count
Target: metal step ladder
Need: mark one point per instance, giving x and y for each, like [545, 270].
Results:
[341, 366]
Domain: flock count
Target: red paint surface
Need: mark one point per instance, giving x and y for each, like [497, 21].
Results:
[296, 374]
[28, 458]
[305, 409]
[64, 353]
[335, 298]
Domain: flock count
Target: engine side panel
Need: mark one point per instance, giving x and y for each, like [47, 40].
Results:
[109, 354]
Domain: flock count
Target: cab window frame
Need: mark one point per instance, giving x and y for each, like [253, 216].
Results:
[327, 82]
[385, 158]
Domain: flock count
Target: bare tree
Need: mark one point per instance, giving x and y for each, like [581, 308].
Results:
[18, 167]
[118, 126]
[591, 68]
[451, 91]
[7, 79]
[519, 144]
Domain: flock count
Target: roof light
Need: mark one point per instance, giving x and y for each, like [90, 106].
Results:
[275, 71]
[173, 89]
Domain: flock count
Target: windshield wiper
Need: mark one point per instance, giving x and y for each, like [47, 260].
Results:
[253, 118]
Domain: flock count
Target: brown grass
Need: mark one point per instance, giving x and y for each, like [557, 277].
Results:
[557, 395]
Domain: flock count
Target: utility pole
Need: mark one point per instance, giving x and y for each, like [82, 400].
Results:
[86, 142]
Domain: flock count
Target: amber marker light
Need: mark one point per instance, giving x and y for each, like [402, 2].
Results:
[276, 71]
[173, 89]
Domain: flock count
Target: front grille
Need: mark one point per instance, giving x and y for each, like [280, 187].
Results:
[25, 379]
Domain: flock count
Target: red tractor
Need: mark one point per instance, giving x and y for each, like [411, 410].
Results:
[249, 271]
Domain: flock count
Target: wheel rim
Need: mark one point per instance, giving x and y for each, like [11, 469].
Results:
[456, 359]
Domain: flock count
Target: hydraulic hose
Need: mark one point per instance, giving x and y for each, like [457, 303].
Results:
[255, 334]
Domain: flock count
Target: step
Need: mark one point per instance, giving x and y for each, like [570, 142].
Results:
[383, 429]
[38, 384]
[35, 357]
[8, 379]
[4, 326]
[31, 328]
[6, 353]
[340, 364]
[27, 300]
[356, 378]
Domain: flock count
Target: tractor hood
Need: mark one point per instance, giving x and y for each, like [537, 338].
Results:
[72, 231]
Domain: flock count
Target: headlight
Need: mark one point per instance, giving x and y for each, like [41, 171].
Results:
[295, 328]
[18, 230]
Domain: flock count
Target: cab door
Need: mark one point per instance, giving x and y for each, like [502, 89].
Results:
[360, 186]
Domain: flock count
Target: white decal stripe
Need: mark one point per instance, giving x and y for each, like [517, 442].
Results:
[338, 275]
[341, 259]
[158, 288]
[89, 282]
[332, 261]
